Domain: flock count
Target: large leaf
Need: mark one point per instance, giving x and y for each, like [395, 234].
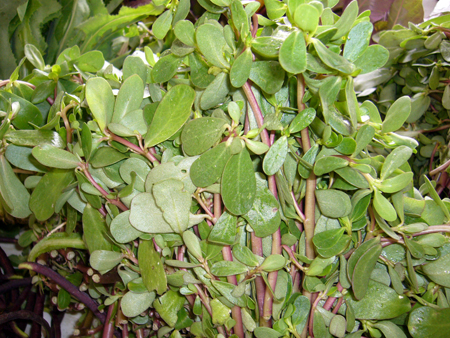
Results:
[152, 269]
[174, 202]
[129, 98]
[47, 192]
[239, 184]
[31, 138]
[208, 168]
[53, 157]
[95, 230]
[293, 53]
[425, 322]
[14, 194]
[100, 99]
[99, 26]
[201, 134]
[268, 75]
[171, 114]
[438, 270]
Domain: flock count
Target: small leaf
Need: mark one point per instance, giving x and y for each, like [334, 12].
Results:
[166, 68]
[184, 31]
[273, 263]
[32, 138]
[216, 92]
[34, 56]
[306, 17]
[122, 230]
[327, 164]
[162, 25]
[276, 156]
[208, 168]
[373, 58]
[245, 256]
[171, 114]
[168, 306]
[105, 156]
[394, 160]
[358, 40]
[193, 244]
[438, 271]
[331, 59]
[363, 269]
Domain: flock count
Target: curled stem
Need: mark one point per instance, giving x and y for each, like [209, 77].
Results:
[26, 315]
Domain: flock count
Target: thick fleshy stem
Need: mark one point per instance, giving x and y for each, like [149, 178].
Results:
[310, 199]
[39, 311]
[276, 237]
[63, 114]
[226, 252]
[108, 327]
[118, 203]
[26, 315]
[133, 147]
[14, 284]
[7, 267]
[66, 285]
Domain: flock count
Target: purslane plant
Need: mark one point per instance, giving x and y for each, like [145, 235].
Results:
[232, 185]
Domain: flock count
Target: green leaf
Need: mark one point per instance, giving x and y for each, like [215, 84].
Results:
[276, 156]
[129, 98]
[199, 71]
[91, 61]
[302, 120]
[184, 31]
[42, 91]
[333, 203]
[86, 141]
[95, 230]
[239, 184]
[224, 231]
[28, 112]
[228, 268]
[240, 18]
[394, 184]
[273, 263]
[427, 322]
[263, 216]
[383, 207]
[266, 332]
[171, 114]
[47, 192]
[358, 40]
[216, 92]
[34, 56]
[100, 99]
[275, 9]
[293, 53]
[380, 302]
[394, 160]
[208, 168]
[220, 312]
[306, 17]
[363, 138]
[240, 70]
[104, 261]
[22, 158]
[403, 12]
[331, 59]
[244, 255]
[193, 244]
[438, 271]
[345, 22]
[268, 75]
[373, 58]
[146, 216]
[363, 269]
[212, 44]
[133, 304]
[166, 68]
[338, 326]
[168, 306]
[152, 269]
[162, 25]
[122, 230]
[397, 114]
[174, 202]
[53, 157]
[54, 242]
[106, 156]
[327, 164]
